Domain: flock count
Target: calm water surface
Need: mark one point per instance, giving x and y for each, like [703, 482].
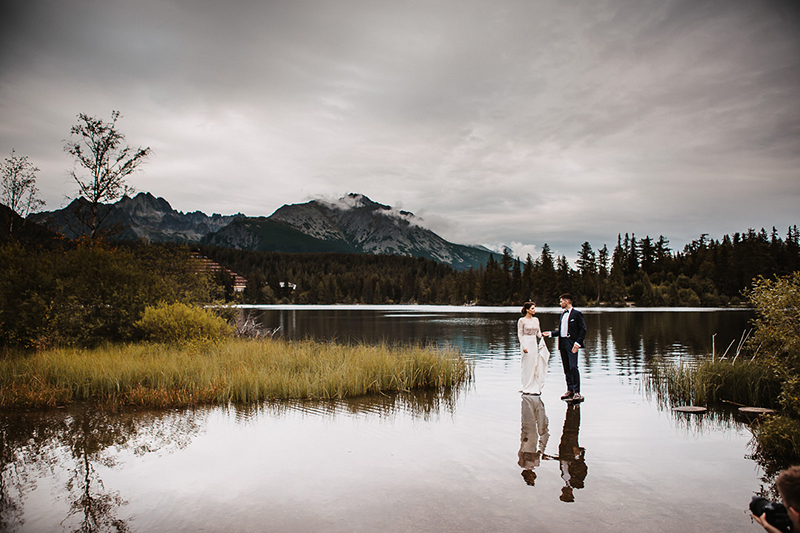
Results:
[419, 462]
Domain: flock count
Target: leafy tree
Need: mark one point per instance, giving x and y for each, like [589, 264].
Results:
[98, 148]
[777, 327]
[19, 186]
[775, 342]
[89, 294]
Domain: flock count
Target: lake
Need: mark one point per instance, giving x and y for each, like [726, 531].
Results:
[620, 461]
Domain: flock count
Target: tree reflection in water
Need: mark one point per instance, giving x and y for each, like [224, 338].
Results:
[70, 446]
[73, 443]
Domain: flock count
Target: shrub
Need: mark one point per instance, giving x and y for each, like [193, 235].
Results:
[177, 322]
[777, 441]
[777, 335]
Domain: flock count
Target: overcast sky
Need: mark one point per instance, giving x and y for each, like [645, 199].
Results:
[513, 122]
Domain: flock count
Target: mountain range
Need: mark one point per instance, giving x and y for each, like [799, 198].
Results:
[142, 217]
[353, 224]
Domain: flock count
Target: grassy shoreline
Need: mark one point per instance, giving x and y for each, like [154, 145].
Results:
[233, 370]
[710, 382]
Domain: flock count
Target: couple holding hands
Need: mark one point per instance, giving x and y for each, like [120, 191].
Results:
[571, 332]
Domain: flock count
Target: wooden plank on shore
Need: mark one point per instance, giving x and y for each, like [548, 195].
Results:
[756, 411]
[690, 409]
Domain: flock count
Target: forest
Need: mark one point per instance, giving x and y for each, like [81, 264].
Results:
[54, 291]
[640, 272]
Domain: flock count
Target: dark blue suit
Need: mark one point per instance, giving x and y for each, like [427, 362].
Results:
[576, 332]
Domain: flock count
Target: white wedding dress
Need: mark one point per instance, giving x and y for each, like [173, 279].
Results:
[534, 363]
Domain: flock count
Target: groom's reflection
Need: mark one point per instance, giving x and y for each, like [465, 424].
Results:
[571, 456]
[534, 436]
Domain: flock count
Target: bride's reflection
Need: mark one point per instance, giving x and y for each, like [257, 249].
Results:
[535, 434]
[571, 455]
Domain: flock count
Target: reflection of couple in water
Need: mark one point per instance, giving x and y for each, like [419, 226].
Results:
[533, 441]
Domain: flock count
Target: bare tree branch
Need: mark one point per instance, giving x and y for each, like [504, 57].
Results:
[19, 185]
[97, 148]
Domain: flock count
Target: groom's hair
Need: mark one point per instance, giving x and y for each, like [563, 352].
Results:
[567, 296]
[788, 483]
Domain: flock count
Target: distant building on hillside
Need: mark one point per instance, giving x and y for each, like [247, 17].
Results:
[204, 264]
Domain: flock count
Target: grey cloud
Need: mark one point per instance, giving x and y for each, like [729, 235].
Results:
[668, 117]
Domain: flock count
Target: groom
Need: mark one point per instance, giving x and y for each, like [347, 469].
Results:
[571, 333]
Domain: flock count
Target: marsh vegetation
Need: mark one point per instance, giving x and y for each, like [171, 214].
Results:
[766, 375]
[232, 370]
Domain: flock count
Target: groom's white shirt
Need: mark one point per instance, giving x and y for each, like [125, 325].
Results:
[564, 330]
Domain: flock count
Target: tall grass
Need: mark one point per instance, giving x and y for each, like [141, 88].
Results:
[234, 370]
[712, 381]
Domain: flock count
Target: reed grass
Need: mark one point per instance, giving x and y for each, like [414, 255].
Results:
[233, 370]
[713, 381]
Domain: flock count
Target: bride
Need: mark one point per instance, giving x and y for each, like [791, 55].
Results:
[534, 352]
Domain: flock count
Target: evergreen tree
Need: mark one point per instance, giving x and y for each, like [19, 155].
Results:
[563, 275]
[516, 282]
[662, 254]
[632, 256]
[545, 286]
[587, 269]
[647, 252]
[602, 265]
[526, 289]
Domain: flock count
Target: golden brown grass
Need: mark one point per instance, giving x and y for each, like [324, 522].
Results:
[235, 370]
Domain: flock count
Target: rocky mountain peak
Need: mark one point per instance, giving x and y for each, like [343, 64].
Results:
[144, 202]
[359, 202]
[369, 227]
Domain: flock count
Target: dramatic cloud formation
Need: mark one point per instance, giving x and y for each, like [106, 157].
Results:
[511, 121]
